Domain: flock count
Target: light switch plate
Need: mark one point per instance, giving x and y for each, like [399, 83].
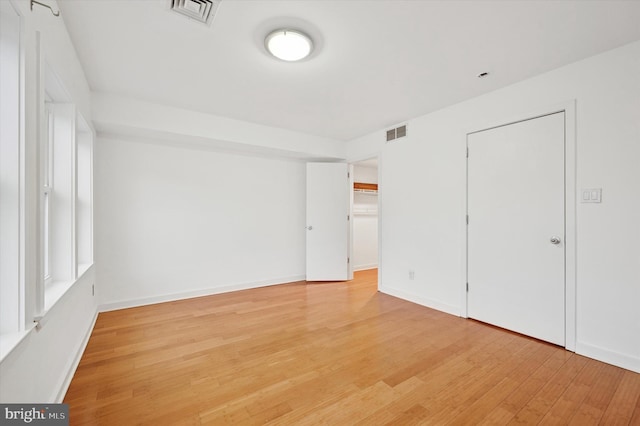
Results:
[591, 195]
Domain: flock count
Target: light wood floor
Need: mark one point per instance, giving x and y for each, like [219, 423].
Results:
[335, 354]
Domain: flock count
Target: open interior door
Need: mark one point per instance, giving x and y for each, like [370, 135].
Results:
[328, 214]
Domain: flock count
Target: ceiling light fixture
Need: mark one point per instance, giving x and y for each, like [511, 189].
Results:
[288, 45]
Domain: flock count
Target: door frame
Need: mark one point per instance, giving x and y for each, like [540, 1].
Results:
[569, 109]
[350, 236]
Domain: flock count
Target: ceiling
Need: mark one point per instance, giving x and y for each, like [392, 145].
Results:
[376, 64]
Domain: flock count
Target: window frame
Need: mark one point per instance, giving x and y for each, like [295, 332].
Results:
[47, 192]
[12, 169]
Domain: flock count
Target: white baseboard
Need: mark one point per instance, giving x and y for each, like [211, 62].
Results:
[112, 306]
[74, 362]
[628, 362]
[429, 303]
[357, 268]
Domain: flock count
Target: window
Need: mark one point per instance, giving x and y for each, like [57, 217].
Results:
[66, 179]
[62, 216]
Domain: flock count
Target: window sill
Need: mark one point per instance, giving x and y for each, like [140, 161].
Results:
[82, 268]
[52, 293]
[10, 341]
[57, 289]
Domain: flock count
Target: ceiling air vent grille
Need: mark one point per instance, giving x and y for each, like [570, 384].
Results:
[398, 132]
[198, 10]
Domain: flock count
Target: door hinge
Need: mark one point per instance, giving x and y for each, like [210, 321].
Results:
[93, 289]
[467, 152]
[348, 260]
[467, 287]
[467, 219]
[347, 217]
[348, 175]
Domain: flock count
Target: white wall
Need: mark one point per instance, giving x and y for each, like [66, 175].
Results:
[365, 241]
[424, 185]
[174, 222]
[365, 174]
[41, 365]
[365, 221]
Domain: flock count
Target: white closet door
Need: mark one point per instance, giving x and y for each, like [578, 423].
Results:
[516, 250]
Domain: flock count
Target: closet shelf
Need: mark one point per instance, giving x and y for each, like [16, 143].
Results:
[366, 191]
[365, 188]
[365, 212]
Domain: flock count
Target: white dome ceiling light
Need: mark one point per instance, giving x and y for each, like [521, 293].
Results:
[288, 45]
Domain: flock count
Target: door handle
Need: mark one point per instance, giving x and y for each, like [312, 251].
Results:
[310, 228]
[555, 240]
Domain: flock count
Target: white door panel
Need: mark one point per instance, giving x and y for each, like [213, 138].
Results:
[516, 206]
[327, 221]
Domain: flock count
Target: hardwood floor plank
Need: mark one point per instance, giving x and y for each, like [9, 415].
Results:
[504, 383]
[569, 402]
[552, 360]
[416, 415]
[472, 395]
[635, 417]
[599, 396]
[541, 403]
[624, 401]
[332, 353]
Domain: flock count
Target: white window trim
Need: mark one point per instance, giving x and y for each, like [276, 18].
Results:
[47, 193]
[10, 338]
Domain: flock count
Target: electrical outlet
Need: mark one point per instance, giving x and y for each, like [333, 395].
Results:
[412, 274]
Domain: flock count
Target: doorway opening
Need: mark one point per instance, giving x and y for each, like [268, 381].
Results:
[365, 211]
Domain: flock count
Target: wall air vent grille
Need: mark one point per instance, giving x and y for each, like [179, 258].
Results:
[198, 10]
[398, 132]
